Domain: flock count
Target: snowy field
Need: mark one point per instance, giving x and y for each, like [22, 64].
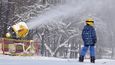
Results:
[9, 60]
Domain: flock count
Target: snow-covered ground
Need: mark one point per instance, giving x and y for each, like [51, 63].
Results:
[13, 60]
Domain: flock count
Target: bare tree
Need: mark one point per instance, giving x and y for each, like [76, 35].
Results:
[61, 40]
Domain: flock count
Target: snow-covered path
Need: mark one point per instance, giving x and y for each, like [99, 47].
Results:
[9, 60]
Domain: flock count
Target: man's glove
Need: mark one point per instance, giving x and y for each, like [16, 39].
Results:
[92, 44]
[94, 41]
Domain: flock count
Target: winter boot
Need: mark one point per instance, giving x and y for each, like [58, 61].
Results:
[92, 60]
[81, 58]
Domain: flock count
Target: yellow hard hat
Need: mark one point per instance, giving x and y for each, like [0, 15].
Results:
[90, 20]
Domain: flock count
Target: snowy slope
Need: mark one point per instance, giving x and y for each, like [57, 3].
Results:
[9, 60]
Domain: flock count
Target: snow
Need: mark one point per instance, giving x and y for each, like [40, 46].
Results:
[37, 60]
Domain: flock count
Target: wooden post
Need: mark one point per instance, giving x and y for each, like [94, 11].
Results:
[3, 45]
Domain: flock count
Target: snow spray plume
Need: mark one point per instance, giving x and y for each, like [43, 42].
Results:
[97, 9]
[89, 8]
[102, 11]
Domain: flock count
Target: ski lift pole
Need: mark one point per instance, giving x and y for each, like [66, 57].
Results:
[42, 45]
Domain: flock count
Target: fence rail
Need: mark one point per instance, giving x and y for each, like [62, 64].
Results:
[18, 47]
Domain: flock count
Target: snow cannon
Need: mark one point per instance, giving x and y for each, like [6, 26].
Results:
[21, 29]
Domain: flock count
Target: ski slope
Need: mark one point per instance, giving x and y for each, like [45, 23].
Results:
[12, 60]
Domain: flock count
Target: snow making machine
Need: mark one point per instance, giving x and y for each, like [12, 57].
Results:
[16, 46]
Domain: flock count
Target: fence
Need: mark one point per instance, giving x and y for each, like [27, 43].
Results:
[18, 47]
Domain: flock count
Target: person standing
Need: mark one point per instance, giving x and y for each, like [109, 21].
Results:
[89, 39]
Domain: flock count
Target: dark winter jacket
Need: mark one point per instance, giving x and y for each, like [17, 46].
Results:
[89, 35]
